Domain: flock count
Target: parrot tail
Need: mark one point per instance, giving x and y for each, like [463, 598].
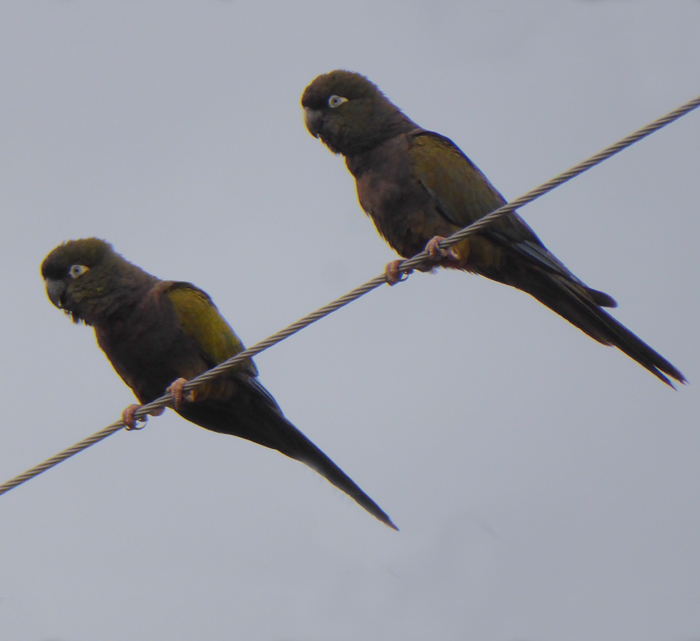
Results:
[259, 419]
[581, 306]
[303, 450]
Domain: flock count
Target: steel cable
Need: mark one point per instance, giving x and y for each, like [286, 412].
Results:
[405, 267]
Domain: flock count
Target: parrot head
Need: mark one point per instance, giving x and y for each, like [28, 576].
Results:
[83, 277]
[349, 114]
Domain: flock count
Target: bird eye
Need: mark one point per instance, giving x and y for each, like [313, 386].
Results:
[77, 270]
[336, 101]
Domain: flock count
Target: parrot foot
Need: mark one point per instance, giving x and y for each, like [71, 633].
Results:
[129, 420]
[392, 273]
[178, 396]
[436, 253]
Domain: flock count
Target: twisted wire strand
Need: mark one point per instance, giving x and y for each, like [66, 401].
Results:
[405, 267]
[559, 180]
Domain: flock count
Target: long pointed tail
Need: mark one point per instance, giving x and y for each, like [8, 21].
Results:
[256, 417]
[302, 449]
[577, 305]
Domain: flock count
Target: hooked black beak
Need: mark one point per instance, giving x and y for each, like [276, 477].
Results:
[314, 120]
[55, 289]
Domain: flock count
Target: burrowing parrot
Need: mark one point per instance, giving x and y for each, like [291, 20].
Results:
[159, 333]
[419, 187]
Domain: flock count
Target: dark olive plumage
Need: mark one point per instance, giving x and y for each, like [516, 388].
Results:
[155, 332]
[417, 185]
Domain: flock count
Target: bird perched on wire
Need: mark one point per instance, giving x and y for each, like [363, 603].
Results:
[419, 187]
[159, 333]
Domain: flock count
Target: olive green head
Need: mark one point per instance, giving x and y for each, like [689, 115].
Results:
[350, 114]
[87, 279]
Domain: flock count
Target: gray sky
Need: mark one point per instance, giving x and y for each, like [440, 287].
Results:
[546, 487]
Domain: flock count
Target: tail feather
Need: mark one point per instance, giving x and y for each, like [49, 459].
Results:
[601, 298]
[305, 451]
[581, 306]
[256, 419]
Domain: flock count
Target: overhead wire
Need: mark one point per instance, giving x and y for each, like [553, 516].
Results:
[405, 267]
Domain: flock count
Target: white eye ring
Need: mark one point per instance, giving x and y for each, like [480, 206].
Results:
[335, 101]
[77, 270]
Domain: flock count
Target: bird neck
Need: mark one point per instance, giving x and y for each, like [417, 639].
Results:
[118, 293]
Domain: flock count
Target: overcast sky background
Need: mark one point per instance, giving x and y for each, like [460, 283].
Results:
[546, 487]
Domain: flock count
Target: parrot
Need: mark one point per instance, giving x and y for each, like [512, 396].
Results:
[158, 334]
[419, 187]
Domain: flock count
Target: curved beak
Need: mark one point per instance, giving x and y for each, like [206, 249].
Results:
[55, 289]
[314, 121]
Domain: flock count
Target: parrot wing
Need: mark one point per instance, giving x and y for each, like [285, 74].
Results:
[237, 403]
[463, 195]
[461, 192]
[201, 321]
